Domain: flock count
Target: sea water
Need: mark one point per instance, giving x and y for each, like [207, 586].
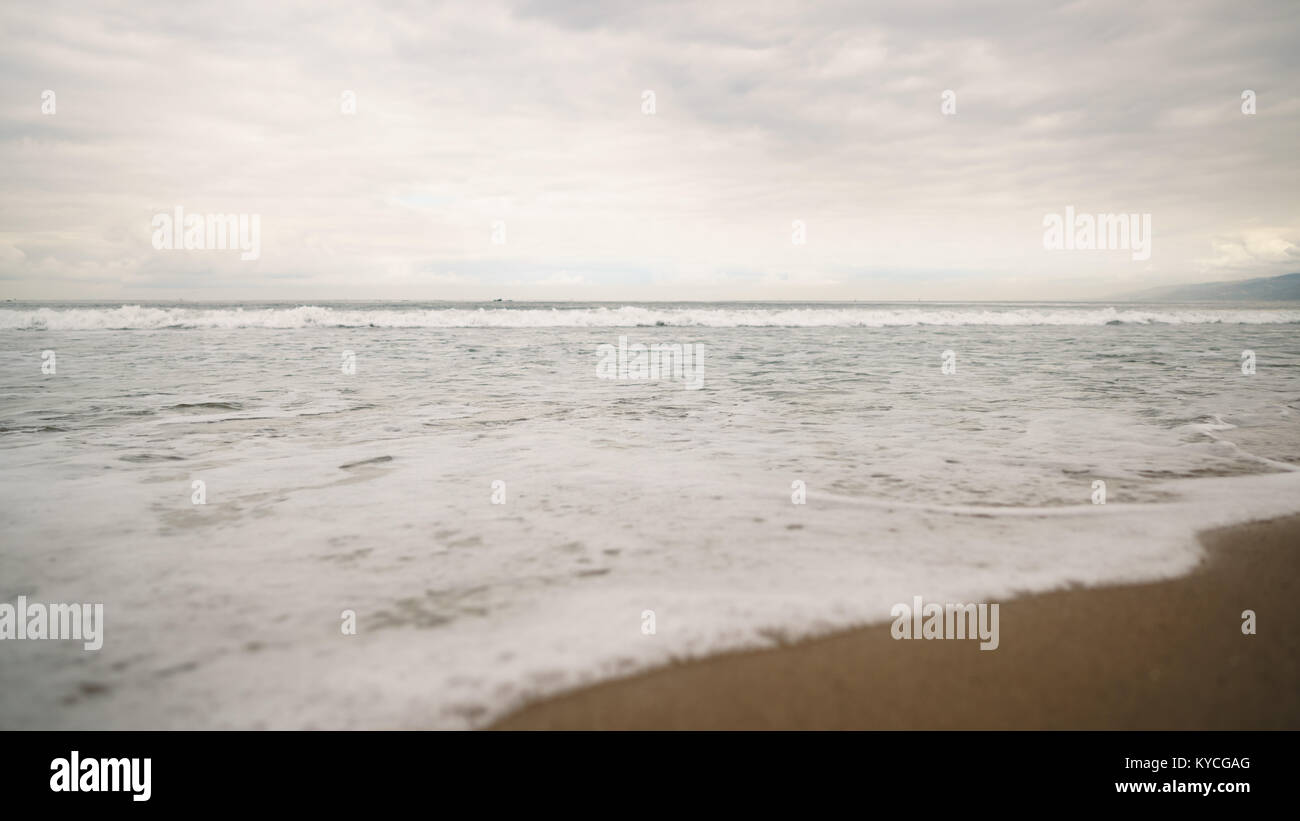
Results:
[499, 519]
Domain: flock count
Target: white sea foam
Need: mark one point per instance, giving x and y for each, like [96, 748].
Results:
[142, 317]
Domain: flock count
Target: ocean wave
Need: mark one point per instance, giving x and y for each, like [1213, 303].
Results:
[137, 317]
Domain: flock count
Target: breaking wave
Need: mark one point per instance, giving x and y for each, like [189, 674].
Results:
[137, 317]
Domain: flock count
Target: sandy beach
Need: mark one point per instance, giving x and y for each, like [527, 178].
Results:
[1164, 655]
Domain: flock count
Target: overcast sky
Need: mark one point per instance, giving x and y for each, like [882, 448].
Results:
[531, 113]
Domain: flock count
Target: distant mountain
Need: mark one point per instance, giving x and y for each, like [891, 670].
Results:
[1263, 289]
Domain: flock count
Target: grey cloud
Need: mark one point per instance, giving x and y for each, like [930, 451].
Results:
[529, 112]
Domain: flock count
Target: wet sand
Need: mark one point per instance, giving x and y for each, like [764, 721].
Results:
[1164, 655]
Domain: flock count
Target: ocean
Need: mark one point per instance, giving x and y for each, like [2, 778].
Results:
[504, 520]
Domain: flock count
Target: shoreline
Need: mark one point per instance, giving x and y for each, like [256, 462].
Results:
[1157, 655]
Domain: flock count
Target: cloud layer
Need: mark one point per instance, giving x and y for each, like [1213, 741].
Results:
[529, 116]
